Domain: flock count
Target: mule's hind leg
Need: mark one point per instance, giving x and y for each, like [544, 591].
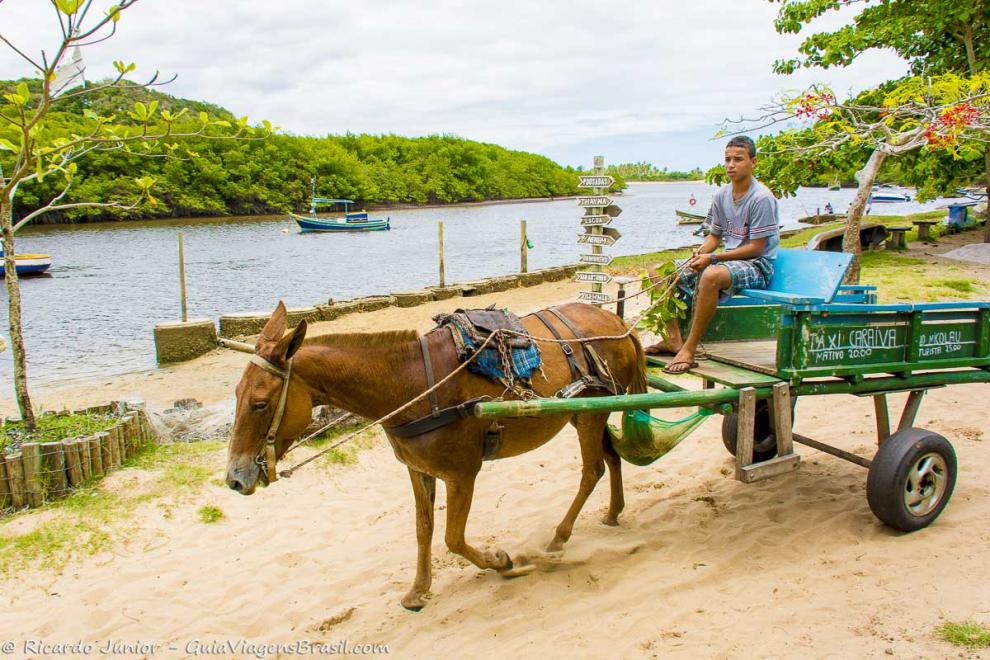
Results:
[616, 502]
[425, 490]
[590, 429]
[460, 491]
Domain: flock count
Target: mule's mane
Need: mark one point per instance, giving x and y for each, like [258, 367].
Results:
[363, 339]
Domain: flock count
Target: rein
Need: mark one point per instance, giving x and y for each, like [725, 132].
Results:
[266, 456]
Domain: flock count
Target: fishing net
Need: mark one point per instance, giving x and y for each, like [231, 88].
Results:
[644, 438]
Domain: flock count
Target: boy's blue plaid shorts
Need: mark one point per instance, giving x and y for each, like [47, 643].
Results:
[746, 274]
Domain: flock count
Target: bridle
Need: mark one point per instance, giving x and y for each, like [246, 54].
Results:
[266, 455]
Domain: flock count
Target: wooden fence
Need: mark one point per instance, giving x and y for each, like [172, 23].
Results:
[40, 472]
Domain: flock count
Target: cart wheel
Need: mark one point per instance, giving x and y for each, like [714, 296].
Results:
[764, 441]
[911, 479]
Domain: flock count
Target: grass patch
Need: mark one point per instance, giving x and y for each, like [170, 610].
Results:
[908, 279]
[209, 514]
[968, 634]
[91, 519]
[55, 427]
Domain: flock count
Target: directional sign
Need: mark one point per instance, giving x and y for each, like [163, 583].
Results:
[594, 296]
[596, 181]
[591, 276]
[596, 220]
[596, 200]
[612, 210]
[599, 259]
[608, 237]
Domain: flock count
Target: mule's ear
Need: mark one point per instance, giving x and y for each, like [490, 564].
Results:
[289, 344]
[275, 328]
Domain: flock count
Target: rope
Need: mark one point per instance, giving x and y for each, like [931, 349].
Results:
[670, 280]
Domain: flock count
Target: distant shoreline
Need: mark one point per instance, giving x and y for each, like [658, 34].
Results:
[664, 183]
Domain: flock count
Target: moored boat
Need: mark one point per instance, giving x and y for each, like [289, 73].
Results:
[877, 197]
[351, 221]
[688, 218]
[822, 218]
[29, 263]
[871, 235]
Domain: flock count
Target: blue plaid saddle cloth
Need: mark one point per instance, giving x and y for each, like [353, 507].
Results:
[508, 357]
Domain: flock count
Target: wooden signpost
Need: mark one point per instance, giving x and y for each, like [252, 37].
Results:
[599, 210]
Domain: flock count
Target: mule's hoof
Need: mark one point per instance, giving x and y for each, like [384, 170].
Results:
[556, 547]
[414, 601]
[553, 555]
[611, 521]
[517, 570]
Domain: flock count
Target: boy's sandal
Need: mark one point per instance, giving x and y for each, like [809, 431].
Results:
[669, 369]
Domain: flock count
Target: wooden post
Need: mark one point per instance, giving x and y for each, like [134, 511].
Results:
[883, 417]
[82, 446]
[132, 441]
[744, 430]
[53, 460]
[96, 454]
[911, 409]
[4, 484]
[597, 249]
[33, 484]
[72, 463]
[106, 453]
[523, 266]
[443, 281]
[114, 447]
[182, 278]
[782, 418]
[15, 479]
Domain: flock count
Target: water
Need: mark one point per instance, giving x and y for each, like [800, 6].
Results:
[111, 282]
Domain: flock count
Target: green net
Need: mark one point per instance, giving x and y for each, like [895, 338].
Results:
[645, 438]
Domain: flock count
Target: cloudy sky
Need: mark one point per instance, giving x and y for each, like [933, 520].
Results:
[645, 80]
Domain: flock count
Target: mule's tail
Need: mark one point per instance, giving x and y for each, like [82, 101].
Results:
[638, 384]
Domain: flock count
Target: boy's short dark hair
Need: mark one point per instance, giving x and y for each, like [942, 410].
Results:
[744, 142]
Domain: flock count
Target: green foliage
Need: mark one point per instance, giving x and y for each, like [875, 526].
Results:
[931, 36]
[969, 634]
[665, 306]
[55, 427]
[272, 175]
[644, 171]
[209, 514]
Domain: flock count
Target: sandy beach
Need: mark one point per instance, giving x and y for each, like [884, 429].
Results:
[700, 565]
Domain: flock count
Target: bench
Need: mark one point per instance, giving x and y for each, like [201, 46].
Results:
[897, 238]
[923, 228]
[804, 277]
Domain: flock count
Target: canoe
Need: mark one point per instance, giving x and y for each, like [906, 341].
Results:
[688, 218]
[350, 222]
[871, 235]
[29, 264]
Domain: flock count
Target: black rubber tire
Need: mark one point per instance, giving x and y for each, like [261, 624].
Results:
[888, 477]
[764, 440]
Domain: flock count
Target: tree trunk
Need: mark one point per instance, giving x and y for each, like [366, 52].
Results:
[850, 241]
[14, 303]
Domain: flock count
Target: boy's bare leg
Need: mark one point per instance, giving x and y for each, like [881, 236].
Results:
[713, 279]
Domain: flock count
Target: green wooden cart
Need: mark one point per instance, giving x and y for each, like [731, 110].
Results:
[808, 335]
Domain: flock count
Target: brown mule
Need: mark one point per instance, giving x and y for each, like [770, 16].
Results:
[372, 374]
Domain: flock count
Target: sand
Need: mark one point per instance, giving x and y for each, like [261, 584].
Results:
[700, 565]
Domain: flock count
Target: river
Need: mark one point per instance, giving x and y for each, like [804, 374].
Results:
[111, 282]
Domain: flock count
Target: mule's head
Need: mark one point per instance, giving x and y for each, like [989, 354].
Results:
[258, 395]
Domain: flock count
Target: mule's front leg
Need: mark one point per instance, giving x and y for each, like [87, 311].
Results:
[590, 429]
[460, 492]
[425, 490]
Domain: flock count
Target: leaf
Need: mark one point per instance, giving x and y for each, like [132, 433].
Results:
[114, 13]
[7, 145]
[222, 123]
[23, 91]
[203, 117]
[145, 182]
[68, 7]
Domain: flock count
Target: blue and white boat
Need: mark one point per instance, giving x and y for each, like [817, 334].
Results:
[29, 264]
[885, 194]
[351, 221]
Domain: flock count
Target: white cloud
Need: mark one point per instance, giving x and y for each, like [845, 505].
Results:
[534, 76]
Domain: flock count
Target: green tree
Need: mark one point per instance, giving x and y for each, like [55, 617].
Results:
[945, 116]
[933, 36]
[38, 153]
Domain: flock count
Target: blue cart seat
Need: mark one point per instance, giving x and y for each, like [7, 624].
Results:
[804, 277]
